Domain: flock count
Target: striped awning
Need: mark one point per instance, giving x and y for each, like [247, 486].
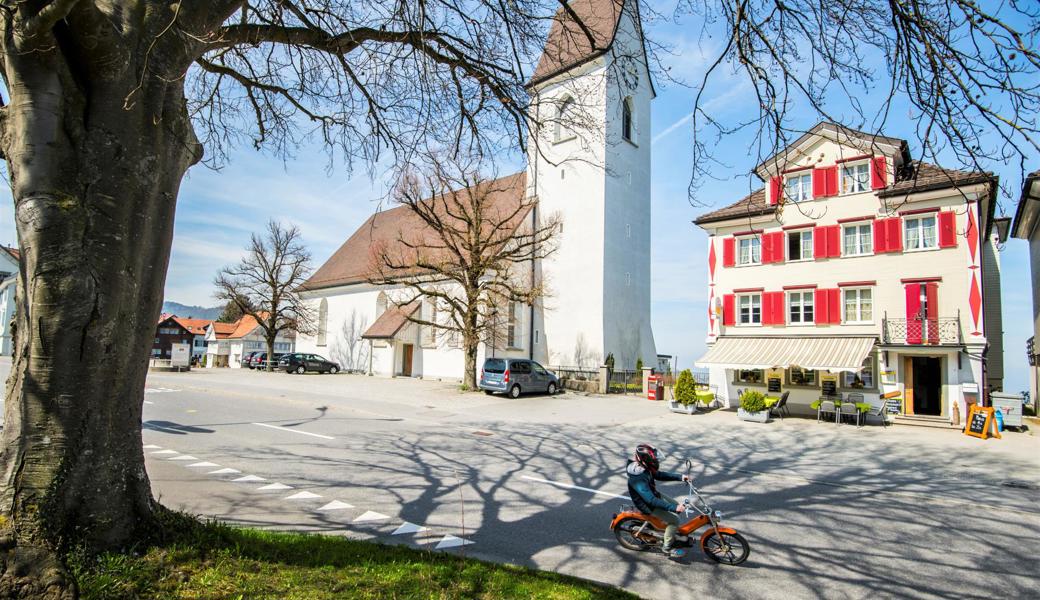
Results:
[835, 353]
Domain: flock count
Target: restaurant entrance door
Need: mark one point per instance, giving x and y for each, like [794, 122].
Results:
[927, 385]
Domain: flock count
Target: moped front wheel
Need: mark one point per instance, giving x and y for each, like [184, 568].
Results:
[726, 548]
[625, 532]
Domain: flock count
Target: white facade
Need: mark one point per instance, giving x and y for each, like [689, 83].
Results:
[922, 298]
[8, 285]
[229, 351]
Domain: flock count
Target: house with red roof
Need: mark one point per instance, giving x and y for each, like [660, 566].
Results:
[227, 344]
[857, 272]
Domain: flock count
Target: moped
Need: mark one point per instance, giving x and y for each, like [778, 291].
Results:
[636, 530]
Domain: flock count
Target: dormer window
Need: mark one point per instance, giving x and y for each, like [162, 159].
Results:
[627, 126]
[855, 178]
[799, 187]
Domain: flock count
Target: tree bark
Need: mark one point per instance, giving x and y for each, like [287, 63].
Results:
[95, 180]
[470, 340]
[270, 354]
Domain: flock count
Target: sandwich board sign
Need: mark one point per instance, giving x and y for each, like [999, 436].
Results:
[979, 422]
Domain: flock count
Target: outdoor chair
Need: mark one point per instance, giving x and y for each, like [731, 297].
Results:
[850, 405]
[826, 406]
[780, 407]
[878, 408]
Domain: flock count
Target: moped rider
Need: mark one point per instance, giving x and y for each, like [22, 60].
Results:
[644, 470]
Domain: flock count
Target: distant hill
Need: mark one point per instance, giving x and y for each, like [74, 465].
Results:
[195, 312]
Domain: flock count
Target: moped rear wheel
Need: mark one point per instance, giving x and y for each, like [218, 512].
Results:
[625, 532]
[726, 548]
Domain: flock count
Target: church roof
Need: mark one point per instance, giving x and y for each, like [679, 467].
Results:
[569, 43]
[356, 261]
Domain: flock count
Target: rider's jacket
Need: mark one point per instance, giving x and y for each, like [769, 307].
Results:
[643, 490]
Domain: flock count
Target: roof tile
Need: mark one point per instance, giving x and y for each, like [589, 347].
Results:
[568, 43]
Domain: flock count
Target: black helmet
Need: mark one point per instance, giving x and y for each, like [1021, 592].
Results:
[647, 457]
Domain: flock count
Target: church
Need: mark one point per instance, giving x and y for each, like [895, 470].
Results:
[589, 166]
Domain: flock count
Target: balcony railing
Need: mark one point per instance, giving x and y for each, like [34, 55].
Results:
[943, 331]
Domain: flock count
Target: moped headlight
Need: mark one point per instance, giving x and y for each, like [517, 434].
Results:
[717, 514]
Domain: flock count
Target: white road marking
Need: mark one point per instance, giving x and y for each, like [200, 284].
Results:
[249, 478]
[336, 505]
[317, 435]
[183, 457]
[166, 452]
[151, 447]
[371, 516]
[224, 471]
[573, 487]
[450, 541]
[409, 528]
[149, 402]
[273, 486]
[303, 496]
[159, 390]
[206, 464]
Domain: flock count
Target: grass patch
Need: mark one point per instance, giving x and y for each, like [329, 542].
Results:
[219, 561]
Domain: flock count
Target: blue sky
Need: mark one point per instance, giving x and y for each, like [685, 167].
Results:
[217, 211]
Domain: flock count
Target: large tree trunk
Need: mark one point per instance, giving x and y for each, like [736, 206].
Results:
[95, 184]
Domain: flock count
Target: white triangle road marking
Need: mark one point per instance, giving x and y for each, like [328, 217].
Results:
[183, 457]
[273, 486]
[409, 528]
[224, 471]
[166, 452]
[371, 516]
[151, 447]
[249, 478]
[450, 541]
[204, 464]
[336, 505]
[302, 496]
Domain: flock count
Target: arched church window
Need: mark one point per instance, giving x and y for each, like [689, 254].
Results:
[380, 304]
[564, 118]
[627, 124]
[323, 321]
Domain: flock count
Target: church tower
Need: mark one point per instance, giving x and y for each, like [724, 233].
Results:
[589, 164]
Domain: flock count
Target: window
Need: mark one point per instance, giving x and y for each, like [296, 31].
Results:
[855, 178]
[513, 326]
[750, 251]
[750, 376]
[380, 304]
[563, 116]
[429, 331]
[862, 379]
[800, 376]
[920, 233]
[857, 240]
[859, 306]
[628, 279]
[750, 309]
[799, 245]
[323, 321]
[627, 129]
[628, 230]
[800, 307]
[799, 187]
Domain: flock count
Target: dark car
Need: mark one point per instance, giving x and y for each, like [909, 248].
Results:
[247, 358]
[299, 362]
[259, 360]
[515, 376]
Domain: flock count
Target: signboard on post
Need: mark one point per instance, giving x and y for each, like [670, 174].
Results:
[979, 422]
[180, 355]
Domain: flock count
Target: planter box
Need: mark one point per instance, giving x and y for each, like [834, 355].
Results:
[679, 408]
[761, 416]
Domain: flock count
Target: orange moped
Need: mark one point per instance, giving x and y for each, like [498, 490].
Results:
[636, 530]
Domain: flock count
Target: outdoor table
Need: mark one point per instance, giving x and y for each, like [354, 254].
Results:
[771, 401]
[837, 405]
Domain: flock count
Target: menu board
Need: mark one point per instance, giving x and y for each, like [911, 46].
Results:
[773, 385]
[980, 421]
[829, 384]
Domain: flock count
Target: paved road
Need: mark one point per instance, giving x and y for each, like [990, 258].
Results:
[830, 511]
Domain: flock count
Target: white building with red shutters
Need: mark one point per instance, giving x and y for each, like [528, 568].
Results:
[858, 264]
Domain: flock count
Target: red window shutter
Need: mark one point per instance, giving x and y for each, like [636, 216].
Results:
[819, 183]
[834, 241]
[947, 229]
[880, 237]
[894, 234]
[729, 252]
[729, 309]
[819, 242]
[767, 308]
[774, 190]
[820, 307]
[831, 179]
[767, 248]
[878, 173]
[779, 308]
[913, 313]
[773, 247]
[931, 294]
[834, 305]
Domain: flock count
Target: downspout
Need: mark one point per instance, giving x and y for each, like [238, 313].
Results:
[534, 221]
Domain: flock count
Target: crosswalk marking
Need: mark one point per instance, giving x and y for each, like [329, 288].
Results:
[450, 541]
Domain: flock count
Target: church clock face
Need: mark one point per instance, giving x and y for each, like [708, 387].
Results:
[629, 72]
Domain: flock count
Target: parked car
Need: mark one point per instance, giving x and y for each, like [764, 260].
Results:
[259, 360]
[515, 376]
[299, 362]
[247, 358]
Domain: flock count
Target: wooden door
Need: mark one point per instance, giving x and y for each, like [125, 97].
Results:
[406, 360]
[908, 385]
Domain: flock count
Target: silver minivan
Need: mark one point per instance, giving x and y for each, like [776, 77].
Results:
[515, 376]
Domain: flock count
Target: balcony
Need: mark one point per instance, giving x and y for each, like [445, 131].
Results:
[944, 331]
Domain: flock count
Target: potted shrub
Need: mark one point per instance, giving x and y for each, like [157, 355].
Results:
[753, 407]
[684, 395]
